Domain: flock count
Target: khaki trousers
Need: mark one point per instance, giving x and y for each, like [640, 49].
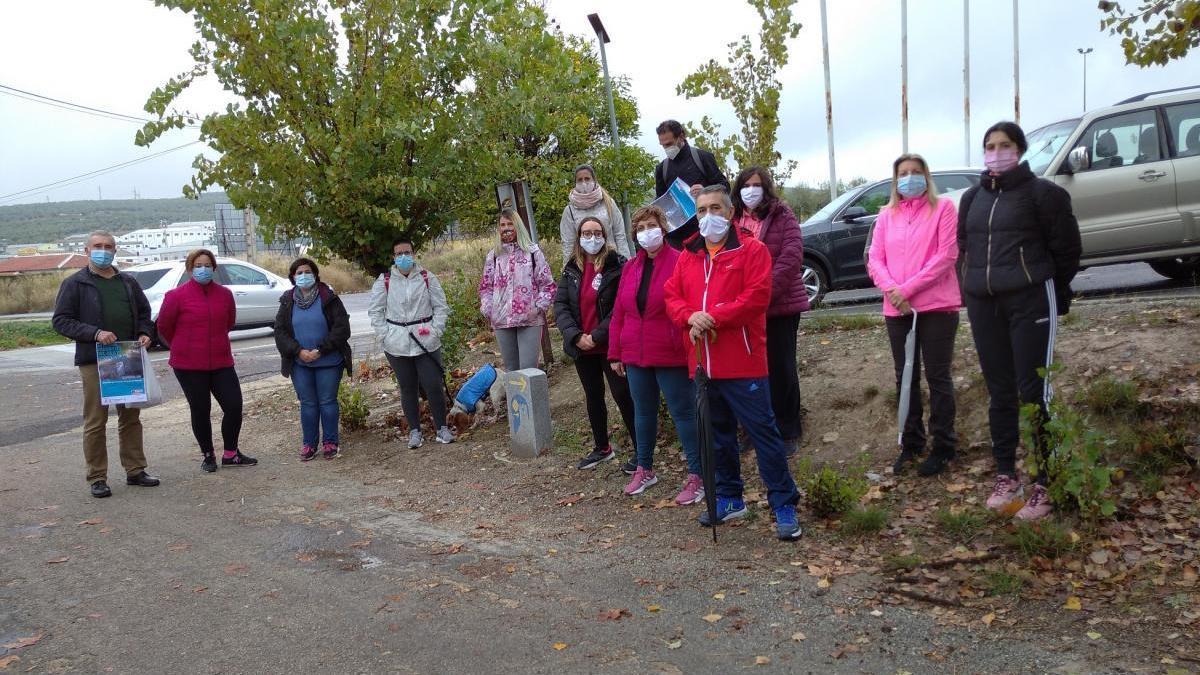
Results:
[95, 425]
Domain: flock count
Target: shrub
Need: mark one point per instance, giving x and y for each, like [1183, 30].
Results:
[962, 526]
[896, 563]
[353, 405]
[1078, 476]
[863, 521]
[465, 319]
[30, 292]
[1043, 538]
[1106, 395]
[827, 491]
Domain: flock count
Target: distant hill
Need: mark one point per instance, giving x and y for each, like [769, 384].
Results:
[50, 221]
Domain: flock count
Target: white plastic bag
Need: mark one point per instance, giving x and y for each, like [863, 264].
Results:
[154, 394]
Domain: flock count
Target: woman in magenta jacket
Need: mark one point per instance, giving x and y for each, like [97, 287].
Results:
[645, 346]
[195, 321]
[911, 260]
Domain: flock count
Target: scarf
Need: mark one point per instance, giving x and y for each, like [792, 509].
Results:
[305, 299]
[586, 201]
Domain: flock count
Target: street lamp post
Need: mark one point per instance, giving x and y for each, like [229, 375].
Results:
[1084, 52]
[602, 38]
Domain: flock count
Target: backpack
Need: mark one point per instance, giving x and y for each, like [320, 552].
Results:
[387, 280]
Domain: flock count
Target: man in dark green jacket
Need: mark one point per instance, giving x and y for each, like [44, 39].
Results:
[99, 305]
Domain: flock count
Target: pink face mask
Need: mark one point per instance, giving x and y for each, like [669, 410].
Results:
[1000, 160]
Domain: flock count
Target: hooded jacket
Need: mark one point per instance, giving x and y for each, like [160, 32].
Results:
[415, 299]
[517, 287]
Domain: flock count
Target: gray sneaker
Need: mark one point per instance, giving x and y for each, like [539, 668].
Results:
[444, 435]
[414, 439]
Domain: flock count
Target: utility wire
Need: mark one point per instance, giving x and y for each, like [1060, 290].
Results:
[77, 107]
[91, 174]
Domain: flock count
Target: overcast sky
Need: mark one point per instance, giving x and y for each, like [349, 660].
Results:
[110, 55]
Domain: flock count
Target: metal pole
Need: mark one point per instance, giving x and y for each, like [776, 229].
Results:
[1085, 53]
[1016, 65]
[828, 103]
[904, 76]
[967, 82]
[612, 121]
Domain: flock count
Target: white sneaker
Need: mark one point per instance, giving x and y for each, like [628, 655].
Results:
[415, 440]
[444, 435]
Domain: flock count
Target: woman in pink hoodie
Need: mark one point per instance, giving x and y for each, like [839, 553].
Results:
[911, 259]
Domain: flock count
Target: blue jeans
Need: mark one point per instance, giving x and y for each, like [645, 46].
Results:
[317, 389]
[645, 385]
[748, 402]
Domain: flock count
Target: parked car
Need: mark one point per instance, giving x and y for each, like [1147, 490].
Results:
[255, 290]
[1133, 171]
[835, 237]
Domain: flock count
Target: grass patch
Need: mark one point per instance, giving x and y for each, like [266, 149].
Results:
[844, 403]
[30, 292]
[1071, 319]
[345, 277]
[1045, 539]
[839, 322]
[863, 521]
[1000, 582]
[963, 526]
[896, 563]
[19, 334]
[1106, 395]
[829, 492]
[870, 392]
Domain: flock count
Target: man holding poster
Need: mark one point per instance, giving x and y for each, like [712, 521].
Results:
[100, 306]
[695, 167]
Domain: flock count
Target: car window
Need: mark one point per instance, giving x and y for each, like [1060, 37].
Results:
[1044, 144]
[147, 278]
[1122, 140]
[826, 212]
[245, 276]
[1184, 123]
[874, 199]
[954, 181]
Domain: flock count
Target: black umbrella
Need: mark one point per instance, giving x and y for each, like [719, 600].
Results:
[708, 462]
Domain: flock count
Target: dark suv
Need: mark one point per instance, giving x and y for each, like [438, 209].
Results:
[835, 236]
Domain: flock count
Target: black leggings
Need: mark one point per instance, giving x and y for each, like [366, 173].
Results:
[784, 375]
[223, 384]
[415, 374]
[593, 370]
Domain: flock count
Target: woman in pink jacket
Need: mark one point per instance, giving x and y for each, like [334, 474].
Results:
[195, 321]
[911, 260]
[646, 347]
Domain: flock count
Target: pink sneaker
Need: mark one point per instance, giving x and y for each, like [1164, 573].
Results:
[1006, 490]
[307, 453]
[1037, 507]
[642, 479]
[692, 492]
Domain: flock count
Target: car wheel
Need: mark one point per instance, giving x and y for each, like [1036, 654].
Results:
[1183, 268]
[816, 282]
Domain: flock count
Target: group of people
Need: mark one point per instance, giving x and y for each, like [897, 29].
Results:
[722, 295]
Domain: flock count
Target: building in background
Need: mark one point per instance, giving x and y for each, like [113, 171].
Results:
[41, 264]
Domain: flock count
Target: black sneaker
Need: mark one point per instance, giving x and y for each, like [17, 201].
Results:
[238, 460]
[936, 462]
[907, 456]
[210, 463]
[630, 467]
[100, 490]
[595, 457]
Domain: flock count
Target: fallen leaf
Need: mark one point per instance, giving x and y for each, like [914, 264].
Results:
[234, 569]
[1099, 557]
[1093, 635]
[830, 437]
[653, 608]
[675, 644]
[570, 500]
[989, 618]
[762, 660]
[712, 618]
[361, 544]
[178, 547]
[1073, 604]
[957, 487]
[20, 643]
[613, 614]
[200, 589]
[799, 637]
[559, 646]
[321, 505]
[718, 596]
[306, 557]
[7, 661]
[56, 561]
[105, 530]
[824, 583]
[91, 521]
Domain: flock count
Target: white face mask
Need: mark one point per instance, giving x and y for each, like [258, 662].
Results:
[584, 187]
[752, 195]
[672, 151]
[713, 227]
[592, 246]
[651, 239]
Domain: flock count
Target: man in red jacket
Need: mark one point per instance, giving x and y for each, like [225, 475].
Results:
[719, 293]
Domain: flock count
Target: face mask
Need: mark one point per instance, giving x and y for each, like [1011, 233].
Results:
[584, 187]
[508, 236]
[202, 275]
[305, 280]
[713, 227]
[672, 151]
[752, 195]
[911, 185]
[101, 258]
[1001, 160]
[404, 262]
[651, 239]
[592, 245]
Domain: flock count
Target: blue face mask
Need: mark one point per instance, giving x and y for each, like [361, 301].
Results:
[305, 280]
[911, 185]
[101, 258]
[404, 262]
[202, 275]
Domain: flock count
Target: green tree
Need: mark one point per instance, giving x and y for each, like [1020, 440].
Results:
[749, 82]
[1176, 29]
[363, 119]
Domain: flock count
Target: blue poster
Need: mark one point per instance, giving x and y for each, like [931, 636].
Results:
[678, 204]
[122, 379]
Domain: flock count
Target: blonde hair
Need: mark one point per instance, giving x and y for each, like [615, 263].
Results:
[524, 242]
[580, 256]
[191, 258]
[931, 192]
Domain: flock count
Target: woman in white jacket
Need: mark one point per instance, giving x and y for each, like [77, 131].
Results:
[408, 313]
[589, 200]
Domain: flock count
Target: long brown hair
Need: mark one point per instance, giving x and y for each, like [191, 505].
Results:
[580, 256]
[768, 187]
[931, 192]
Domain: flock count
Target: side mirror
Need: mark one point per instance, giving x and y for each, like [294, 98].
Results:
[273, 283]
[1079, 159]
[852, 214]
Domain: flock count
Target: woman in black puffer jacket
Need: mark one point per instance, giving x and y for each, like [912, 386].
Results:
[1018, 250]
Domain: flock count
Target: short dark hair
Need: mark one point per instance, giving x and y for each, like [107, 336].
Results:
[303, 261]
[768, 186]
[1010, 129]
[403, 240]
[671, 126]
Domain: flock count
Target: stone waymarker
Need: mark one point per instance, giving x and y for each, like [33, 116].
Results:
[527, 393]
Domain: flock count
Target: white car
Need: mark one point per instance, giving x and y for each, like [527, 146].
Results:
[255, 290]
